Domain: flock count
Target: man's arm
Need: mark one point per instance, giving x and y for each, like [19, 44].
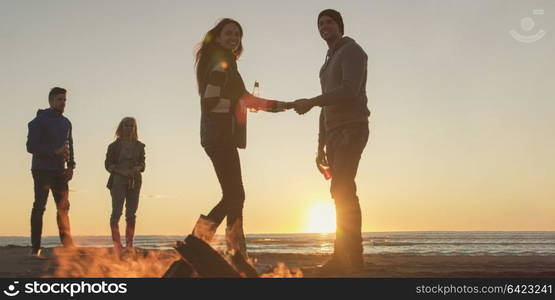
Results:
[34, 145]
[321, 133]
[71, 160]
[353, 68]
[321, 158]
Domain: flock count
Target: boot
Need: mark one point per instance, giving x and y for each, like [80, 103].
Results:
[336, 266]
[347, 258]
[116, 239]
[129, 234]
[205, 228]
[338, 263]
[235, 238]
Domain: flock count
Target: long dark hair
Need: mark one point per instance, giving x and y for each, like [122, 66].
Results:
[209, 43]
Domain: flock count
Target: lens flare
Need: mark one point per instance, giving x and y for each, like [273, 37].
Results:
[321, 218]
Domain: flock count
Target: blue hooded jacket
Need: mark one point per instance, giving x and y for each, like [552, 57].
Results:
[49, 131]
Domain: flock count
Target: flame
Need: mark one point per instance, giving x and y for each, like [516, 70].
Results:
[137, 263]
[282, 271]
[102, 262]
[233, 239]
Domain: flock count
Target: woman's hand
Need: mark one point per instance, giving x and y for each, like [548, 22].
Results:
[281, 106]
[269, 105]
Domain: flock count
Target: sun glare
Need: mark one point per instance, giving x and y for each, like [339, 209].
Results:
[321, 218]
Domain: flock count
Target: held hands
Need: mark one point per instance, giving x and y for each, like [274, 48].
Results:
[281, 106]
[303, 106]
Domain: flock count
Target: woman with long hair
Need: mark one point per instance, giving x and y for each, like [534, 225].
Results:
[125, 160]
[224, 102]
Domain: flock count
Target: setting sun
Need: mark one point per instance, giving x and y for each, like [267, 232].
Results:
[321, 218]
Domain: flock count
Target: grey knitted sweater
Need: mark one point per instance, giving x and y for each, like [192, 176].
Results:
[343, 82]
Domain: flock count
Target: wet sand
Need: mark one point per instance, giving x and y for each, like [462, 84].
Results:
[15, 262]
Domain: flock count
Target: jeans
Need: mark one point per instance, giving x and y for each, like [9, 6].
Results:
[44, 181]
[122, 194]
[344, 148]
[228, 169]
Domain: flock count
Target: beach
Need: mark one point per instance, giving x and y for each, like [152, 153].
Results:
[85, 262]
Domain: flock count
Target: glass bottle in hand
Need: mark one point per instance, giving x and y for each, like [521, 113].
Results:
[256, 93]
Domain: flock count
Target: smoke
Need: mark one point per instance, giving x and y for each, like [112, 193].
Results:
[103, 262]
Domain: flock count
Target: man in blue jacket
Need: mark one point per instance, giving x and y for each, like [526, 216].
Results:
[51, 143]
[343, 135]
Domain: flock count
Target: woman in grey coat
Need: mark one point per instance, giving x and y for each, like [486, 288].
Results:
[125, 160]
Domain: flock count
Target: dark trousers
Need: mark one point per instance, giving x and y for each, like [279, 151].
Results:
[44, 181]
[122, 194]
[228, 169]
[344, 148]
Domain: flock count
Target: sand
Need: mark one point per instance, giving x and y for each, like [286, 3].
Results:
[100, 262]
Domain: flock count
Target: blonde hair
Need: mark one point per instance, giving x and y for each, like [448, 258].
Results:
[134, 134]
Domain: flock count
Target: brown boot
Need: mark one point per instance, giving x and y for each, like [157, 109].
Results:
[116, 238]
[235, 238]
[129, 234]
[205, 228]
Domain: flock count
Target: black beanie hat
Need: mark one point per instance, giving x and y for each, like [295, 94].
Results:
[335, 15]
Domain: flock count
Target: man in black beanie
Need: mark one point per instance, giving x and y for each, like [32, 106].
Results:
[342, 137]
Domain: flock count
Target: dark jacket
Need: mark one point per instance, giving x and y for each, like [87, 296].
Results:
[49, 131]
[221, 129]
[112, 159]
[343, 82]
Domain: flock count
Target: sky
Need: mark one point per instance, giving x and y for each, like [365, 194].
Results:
[461, 131]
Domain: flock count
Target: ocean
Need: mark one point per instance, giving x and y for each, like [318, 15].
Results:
[409, 243]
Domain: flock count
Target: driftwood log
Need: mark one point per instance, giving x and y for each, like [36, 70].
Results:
[200, 260]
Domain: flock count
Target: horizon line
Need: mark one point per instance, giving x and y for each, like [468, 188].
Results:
[321, 233]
